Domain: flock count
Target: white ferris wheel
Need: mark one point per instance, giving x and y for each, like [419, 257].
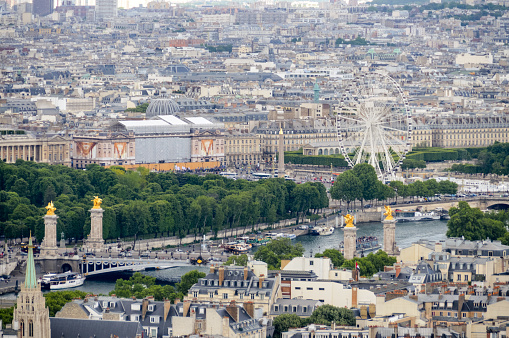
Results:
[374, 124]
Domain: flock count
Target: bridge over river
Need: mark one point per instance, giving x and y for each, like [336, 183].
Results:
[92, 266]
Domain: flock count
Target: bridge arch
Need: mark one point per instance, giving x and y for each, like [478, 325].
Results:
[66, 267]
[499, 206]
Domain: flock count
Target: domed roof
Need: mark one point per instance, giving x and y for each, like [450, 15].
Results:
[162, 106]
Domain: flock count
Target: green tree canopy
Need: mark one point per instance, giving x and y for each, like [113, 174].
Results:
[335, 256]
[284, 322]
[326, 314]
[473, 224]
[276, 250]
[238, 260]
[56, 300]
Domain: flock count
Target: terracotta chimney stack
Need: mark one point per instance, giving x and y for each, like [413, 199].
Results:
[245, 272]
[260, 281]
[212, 269]
[221, 275]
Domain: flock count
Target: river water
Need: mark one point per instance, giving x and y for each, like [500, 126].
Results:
[406, 234]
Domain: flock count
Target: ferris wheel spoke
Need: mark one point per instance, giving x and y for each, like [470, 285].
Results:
[391, 128]
[352, 119]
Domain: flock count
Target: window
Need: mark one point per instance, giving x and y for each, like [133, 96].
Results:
[297, 288]
[464, 314]
[311, 289]
[311, 262]
[466, 277]
[252, 296]
[321, 289]
[30, 328]
[459, 278]
[225, 296]
[276, 308]
[211, 294]
[195, 294]
[304, 309]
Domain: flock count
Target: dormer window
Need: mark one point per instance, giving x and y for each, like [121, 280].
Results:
[151, 307]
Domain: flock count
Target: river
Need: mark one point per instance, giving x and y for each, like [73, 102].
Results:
[406, 234]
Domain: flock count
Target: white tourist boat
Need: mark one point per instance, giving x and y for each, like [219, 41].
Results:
[62, 281]
[416, 216]
[322, 231]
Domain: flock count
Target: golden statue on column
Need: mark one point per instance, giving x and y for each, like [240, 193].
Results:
[97, 202]
[388, 213]
[51, 209]
[349, 221]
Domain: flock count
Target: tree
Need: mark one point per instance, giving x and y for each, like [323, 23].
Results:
[473, 224]
[347, 187]
[326, 314]
[278, 249]
[284, 322]
[141, 286]
[335, 256]
[239, 260]
[188, 280]
[55, 300]
[6, 315]
[367, 175]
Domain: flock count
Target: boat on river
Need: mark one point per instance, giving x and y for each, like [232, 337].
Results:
[416, 216]
[322, 231]
[62, 281]
[237, 247]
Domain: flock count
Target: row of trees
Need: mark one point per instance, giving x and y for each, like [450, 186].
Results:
[473, 224]
[362, 184]
[141, 202]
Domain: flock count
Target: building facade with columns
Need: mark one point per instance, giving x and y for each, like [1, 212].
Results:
[105, 149]
[52, 150]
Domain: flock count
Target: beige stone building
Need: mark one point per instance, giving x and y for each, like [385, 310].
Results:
[108, 149]
[43, 149]
[242, 149]
[224, 284]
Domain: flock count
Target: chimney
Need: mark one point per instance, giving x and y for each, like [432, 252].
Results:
[398, 269]
[260, 281]
[245, 272]
[249, 307]
[107, 310]
[144, 307]
[221, 275]
[354, 297]
[233, 311]
[187, 304]
[212, 269]
[167, 306]
[461, 300]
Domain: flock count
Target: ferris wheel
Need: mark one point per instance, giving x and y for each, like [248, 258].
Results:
[374, 124]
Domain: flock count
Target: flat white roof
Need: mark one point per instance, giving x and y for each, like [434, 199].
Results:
[143, 123]
[198, 120]
[172, 119]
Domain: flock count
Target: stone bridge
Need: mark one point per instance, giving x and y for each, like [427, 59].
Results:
[95, 266]
[483, 203]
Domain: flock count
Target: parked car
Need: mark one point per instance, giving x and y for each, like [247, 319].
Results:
[145, 254]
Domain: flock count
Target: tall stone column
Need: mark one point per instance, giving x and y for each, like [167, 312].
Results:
[350, 238]
[49, 243]
[95, 241]
[389, 233]
[390, 237]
